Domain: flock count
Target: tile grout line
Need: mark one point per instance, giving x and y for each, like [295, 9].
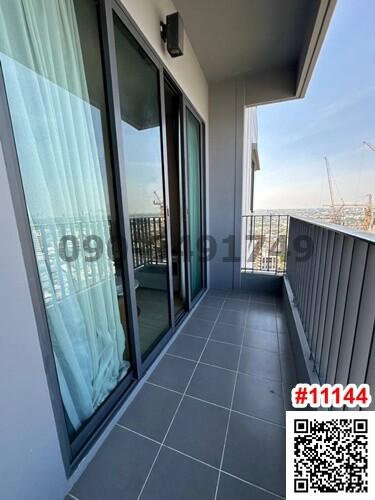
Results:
[215, 404]
[253, 484]
[231, 407]
[178, 406]
[201, 362]
[274, 334]
[129, 429]
[228, 369]
[197, 460]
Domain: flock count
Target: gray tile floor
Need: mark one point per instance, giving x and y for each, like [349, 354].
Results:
[208, 424]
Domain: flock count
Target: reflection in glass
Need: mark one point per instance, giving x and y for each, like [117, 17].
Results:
[141, 132]
[52, 68]
[172, 123]
[195, 205]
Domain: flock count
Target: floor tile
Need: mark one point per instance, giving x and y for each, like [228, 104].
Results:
[198, 327]
[187, 347]
[176, 477]
[151, 411]
[261, 340]
[288, 370]
[262, 307]
[232, 317]
[259, 398]
[287, 388]
[255, 452]
[262, 298]
[279, 307]
[217, 292]
[231, 488]
[205, 312]
[235, 304]
[259, 320]
[173, 373]
[119, 469]
[199, 430]
[212, 384]
[285, 345]
[239, 294]
[213, 301]
[260, 363]
[228, 333]
[220, 354]
[282, 326]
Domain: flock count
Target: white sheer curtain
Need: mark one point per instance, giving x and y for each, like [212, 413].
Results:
[66, 192]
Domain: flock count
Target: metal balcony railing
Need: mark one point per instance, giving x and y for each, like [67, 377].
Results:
[331, 271]
[148, 240]
[75, 255]
[265, 243]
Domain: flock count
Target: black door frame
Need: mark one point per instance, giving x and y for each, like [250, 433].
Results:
[187, 106]
[168, 81]
[74, 451]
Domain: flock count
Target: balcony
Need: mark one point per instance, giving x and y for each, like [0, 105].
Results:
[148, 369]
[219, 391]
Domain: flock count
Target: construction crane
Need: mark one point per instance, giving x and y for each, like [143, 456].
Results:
[370, 146]
[336, 209]
[159, 203]
[368, 223]
[369, 220]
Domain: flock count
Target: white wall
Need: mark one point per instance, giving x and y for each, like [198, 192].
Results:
[227, 108]
[31, 467]
[250, 138]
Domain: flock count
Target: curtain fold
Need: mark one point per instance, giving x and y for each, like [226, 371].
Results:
[60, 155]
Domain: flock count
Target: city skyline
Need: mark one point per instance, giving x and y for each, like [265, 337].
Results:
[333, 120]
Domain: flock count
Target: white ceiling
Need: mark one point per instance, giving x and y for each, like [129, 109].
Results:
[236, 37]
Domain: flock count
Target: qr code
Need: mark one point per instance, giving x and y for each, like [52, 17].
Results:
[329, 454]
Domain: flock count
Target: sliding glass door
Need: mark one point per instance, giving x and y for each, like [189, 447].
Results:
[139, 84]
[172, 99]
[194, 176]
[51, 61]
[104, 198]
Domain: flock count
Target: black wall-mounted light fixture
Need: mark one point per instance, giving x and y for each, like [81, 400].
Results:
[172, 33]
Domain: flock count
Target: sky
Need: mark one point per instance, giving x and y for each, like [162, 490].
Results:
[335, 117]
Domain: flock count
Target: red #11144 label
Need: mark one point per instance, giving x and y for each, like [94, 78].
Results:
[331, 396]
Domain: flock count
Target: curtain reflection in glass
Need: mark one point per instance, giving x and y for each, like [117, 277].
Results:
[50, 55]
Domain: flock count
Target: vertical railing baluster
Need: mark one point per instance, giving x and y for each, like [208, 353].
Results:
[277, 244]
[269, 245]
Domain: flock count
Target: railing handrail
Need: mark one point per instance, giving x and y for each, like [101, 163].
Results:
[346, 231]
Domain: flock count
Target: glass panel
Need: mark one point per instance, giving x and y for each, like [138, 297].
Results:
[141, 131]
[51, 59]
[195, 204]
[172, 116]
